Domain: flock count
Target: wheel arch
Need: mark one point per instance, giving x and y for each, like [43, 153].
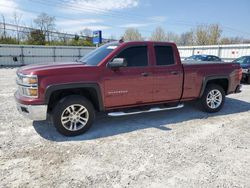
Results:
[91, 91]
[222, 81]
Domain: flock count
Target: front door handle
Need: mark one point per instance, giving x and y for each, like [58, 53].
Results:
[145, 74]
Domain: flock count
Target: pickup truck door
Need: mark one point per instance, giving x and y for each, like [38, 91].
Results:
[168, 75]
[132, 84]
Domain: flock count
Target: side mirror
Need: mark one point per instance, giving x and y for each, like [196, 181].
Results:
[117, 63]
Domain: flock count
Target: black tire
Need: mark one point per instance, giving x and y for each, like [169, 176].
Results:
[206, 106]
[61, 108]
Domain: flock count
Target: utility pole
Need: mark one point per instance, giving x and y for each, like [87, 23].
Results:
[4, 27]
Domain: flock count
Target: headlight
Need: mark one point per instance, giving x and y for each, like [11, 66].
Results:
[30, 80]
[27, 85]
[27, 79]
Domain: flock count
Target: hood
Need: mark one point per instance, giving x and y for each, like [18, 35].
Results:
[52, 66]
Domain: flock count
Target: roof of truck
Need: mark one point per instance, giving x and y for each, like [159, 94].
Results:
[146, 42]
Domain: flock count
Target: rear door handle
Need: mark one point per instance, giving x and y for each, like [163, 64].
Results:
[174, 72]
[145, 74]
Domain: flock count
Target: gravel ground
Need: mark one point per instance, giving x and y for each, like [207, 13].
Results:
[178, 148]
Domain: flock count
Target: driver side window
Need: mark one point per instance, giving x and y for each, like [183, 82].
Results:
[135, 56]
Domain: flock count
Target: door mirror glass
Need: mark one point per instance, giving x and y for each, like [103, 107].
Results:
[117, 63]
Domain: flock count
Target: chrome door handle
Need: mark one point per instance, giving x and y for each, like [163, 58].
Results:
[174, 72]
[145, 74]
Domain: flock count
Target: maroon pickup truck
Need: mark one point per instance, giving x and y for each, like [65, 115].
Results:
[121, 78]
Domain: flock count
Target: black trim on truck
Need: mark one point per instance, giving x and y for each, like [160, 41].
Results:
[211, 78]
[52, 88]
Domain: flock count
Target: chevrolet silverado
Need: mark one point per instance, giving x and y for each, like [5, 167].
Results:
[121, 78]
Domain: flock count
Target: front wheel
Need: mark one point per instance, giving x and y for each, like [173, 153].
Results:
[73, 115]
[213, 98]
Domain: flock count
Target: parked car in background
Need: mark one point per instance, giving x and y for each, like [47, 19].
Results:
[203, 58]
[244, 62]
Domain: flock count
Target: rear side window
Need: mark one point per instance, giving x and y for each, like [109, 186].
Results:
[213, 58]
[209, 58]
[135, 56]
[164, 55]
[217, 58]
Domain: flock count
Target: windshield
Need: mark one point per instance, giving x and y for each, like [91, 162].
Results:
[243, 60]
[97, 55]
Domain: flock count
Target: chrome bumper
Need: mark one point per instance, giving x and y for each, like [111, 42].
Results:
[33, 112]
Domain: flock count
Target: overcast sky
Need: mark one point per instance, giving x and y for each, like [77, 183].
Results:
[114, 16]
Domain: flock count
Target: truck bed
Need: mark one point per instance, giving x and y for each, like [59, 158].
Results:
[197, 73]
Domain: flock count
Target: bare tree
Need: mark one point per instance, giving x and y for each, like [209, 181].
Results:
[159, 35]
[45, 23]
[201, 35]
[207, 34]
[246, 41]
[24, 33]
[215, 32]
[4, 26]
[17, 20]
[225, 40]
[86, 32]
[187, 38]
[132, 34]
[237, 40]
[172, 37]
[232, 40]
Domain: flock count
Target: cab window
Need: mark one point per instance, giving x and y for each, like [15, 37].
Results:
[164, 55]
[136, 56]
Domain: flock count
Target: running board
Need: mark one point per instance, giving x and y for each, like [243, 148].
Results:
[115, 114]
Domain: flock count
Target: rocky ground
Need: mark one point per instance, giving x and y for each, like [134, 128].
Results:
[178, 148]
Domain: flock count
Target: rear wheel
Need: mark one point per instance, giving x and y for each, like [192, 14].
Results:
[73, 115]
[213, 98]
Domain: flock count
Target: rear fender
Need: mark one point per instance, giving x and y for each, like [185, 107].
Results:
[208, 79]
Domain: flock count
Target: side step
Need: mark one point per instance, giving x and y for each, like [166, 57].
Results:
[115, 114]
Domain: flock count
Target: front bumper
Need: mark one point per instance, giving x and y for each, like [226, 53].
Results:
[33, 112]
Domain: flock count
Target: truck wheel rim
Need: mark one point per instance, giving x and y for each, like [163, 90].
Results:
[74, 117]
[214, 99]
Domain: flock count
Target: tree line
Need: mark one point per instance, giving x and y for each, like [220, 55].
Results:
[200, 35]
[43, 31]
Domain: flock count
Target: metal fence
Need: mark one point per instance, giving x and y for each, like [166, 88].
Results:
[14, 55]
[225, 52]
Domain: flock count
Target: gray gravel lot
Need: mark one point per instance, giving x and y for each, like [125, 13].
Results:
[178, 148]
